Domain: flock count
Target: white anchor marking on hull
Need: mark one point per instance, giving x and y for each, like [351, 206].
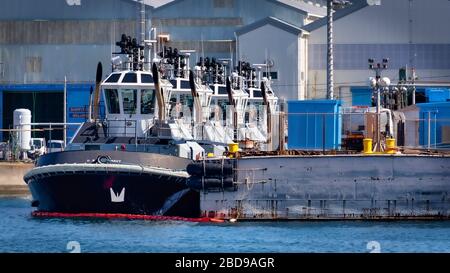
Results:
[117, 198]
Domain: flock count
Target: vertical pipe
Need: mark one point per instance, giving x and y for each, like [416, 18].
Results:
[135, 136]
[281, 123]
[231, 55]
[414, 87]
[411, 49]
[330, 60]
[435, 129]
[90, 105]
[125, 127]
[50, 132]
[154, 45]
[429, 130]
[142, 22]
[65, 112]
[378, 144]
[237, 50]
[235, 125]
[323, 133]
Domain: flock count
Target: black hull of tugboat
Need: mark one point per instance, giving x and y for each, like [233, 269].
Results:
[70, 182]
[91, 193]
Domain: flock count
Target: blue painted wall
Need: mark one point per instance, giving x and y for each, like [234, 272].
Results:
[361, 96]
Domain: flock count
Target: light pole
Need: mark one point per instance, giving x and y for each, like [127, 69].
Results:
[330, 60]
[378, 83]
[331, 6]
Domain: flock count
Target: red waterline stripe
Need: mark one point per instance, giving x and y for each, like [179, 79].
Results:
[124, 216]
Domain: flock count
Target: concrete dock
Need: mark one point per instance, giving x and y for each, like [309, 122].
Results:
[11, 178]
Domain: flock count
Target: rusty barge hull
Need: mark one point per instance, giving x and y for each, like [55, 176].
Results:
[333, 187]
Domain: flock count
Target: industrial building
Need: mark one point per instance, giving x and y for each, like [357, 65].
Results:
[45, 43]
[410, 33]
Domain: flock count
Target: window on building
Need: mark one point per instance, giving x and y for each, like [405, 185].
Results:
[147, 101]
[223, 3]
[273, 75]
[112, 101]
[129, 101]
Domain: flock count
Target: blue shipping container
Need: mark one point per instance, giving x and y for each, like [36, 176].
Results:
[437, 94]
[434, 117]
[314, 125]
[361, 96]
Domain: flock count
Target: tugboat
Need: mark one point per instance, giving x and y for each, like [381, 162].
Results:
[240, 109]
[261, 104]
[131, 162]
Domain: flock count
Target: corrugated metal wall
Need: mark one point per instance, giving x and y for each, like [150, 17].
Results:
[43, 41]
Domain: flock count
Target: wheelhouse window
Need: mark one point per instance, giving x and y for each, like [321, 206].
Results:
[254, 112]
[113, 78]
[146, 78]
[37, 143]
[185, 84]
[130, 78]
[55, 145]
[223, 104]
[129, 98]
[222, 90]
[187, 101]
[147, 101]
[273, 75]
[112, 101]
[257, 94]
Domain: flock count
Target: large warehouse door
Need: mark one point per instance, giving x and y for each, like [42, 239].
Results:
[44, 107]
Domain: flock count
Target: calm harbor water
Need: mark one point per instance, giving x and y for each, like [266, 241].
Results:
[19, 232]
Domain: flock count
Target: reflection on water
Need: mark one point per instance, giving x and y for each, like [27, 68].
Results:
[19, 232]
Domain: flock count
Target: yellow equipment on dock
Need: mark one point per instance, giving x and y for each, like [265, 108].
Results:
[233, 149]
[390, 147]
[368, 146]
